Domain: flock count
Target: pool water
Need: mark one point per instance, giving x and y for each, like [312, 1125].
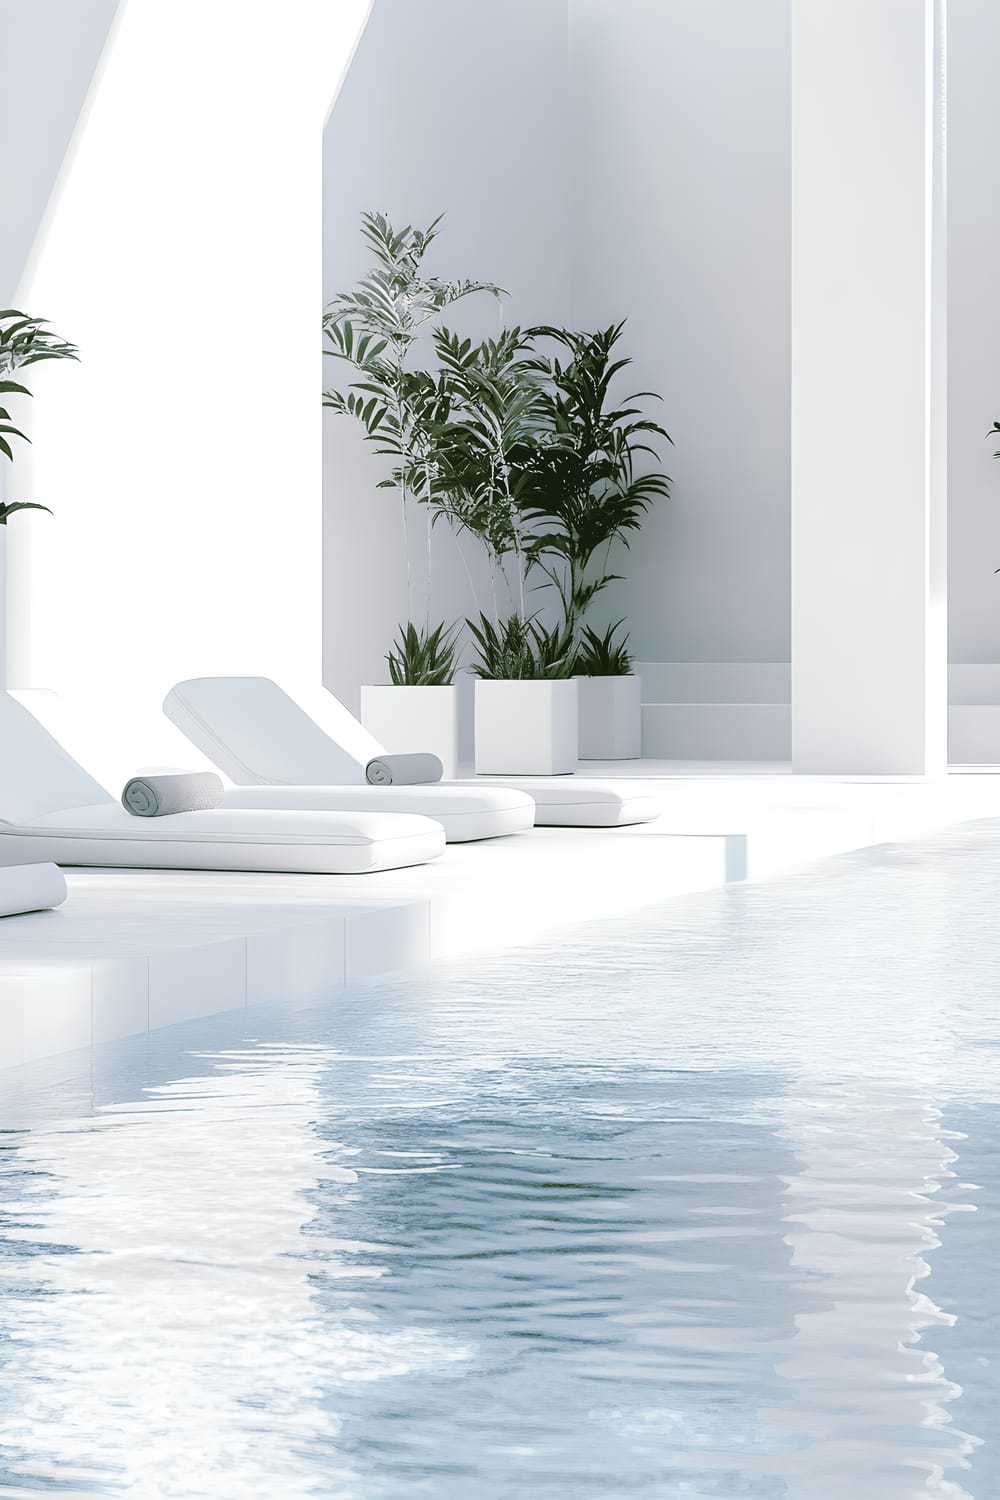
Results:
[698, 1203]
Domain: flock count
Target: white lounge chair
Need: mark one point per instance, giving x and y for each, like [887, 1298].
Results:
[464, 812]
[51, 809]
[266, 741]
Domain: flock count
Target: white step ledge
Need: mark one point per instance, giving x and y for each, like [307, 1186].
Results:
[717, 731]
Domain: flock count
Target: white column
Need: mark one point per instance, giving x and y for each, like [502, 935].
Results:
[869, 626]
[182, 456]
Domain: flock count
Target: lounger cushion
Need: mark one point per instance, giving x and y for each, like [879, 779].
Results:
[580, 802]
[50, 809]
[226, 839]
[30, 887]
[465, 813]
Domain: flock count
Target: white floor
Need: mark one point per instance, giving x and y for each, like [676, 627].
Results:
[887, 807]
[133, 950]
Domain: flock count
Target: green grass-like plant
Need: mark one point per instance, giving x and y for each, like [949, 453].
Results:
[603, 655]
[521, 650]
[421, 657]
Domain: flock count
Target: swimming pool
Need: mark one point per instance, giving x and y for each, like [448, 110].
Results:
[697, 1203]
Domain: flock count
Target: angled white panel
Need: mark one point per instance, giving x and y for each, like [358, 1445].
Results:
[48, 52]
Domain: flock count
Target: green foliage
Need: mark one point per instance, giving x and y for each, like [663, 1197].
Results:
[482, 439]
[531, 452]
[602, 655]
[7, 508]
[423, 658]
[535, 456]
[374, 328]
[521, 649]
[24, 341]
[585, 494]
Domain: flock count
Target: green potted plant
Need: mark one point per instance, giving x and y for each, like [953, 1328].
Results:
[376, 330]
[583, 497]
[610, 696]
[24, 341]
[417, 709]
[525, 696]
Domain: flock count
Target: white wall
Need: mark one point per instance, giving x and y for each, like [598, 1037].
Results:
[683, 109]
[681, 222]
[973, 330]
[183, 455]
[448, 107]
[646, 175]
[48, 52]
[662, 193]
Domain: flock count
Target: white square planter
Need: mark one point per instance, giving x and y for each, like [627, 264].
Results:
[526, 728]
[412, 719]
[610, 718]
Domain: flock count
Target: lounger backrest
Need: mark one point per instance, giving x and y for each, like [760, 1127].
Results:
[260, 736]
[36, 774]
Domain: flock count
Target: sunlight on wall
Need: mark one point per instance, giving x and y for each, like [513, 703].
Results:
[182, 456]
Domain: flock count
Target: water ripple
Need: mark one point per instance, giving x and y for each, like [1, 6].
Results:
[701, 1203]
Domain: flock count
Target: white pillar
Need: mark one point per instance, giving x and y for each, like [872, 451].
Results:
[869, 625]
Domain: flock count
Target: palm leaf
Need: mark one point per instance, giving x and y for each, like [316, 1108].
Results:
[8, 508]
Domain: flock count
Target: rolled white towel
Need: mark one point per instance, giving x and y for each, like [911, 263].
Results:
[30, 888]
[403, 770]
[157, 794]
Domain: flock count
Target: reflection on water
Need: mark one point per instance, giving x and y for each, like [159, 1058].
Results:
[862, 1214]
[163, 1315]
[701, 1204]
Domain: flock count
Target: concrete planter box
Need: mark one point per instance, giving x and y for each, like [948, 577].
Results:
[526, 728]
[408, 719]
[610, 717]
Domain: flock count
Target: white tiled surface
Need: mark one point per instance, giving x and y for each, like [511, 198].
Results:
[568, 875]
[58, 1012]
[133, 950]
[732, 794]
[45, 1007]
[120, 998]
[143, 949]
[296, 962]
[189, 982]
[385, 938]
[12, 1006]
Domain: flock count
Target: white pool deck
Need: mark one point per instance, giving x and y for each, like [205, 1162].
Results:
[132, 951]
